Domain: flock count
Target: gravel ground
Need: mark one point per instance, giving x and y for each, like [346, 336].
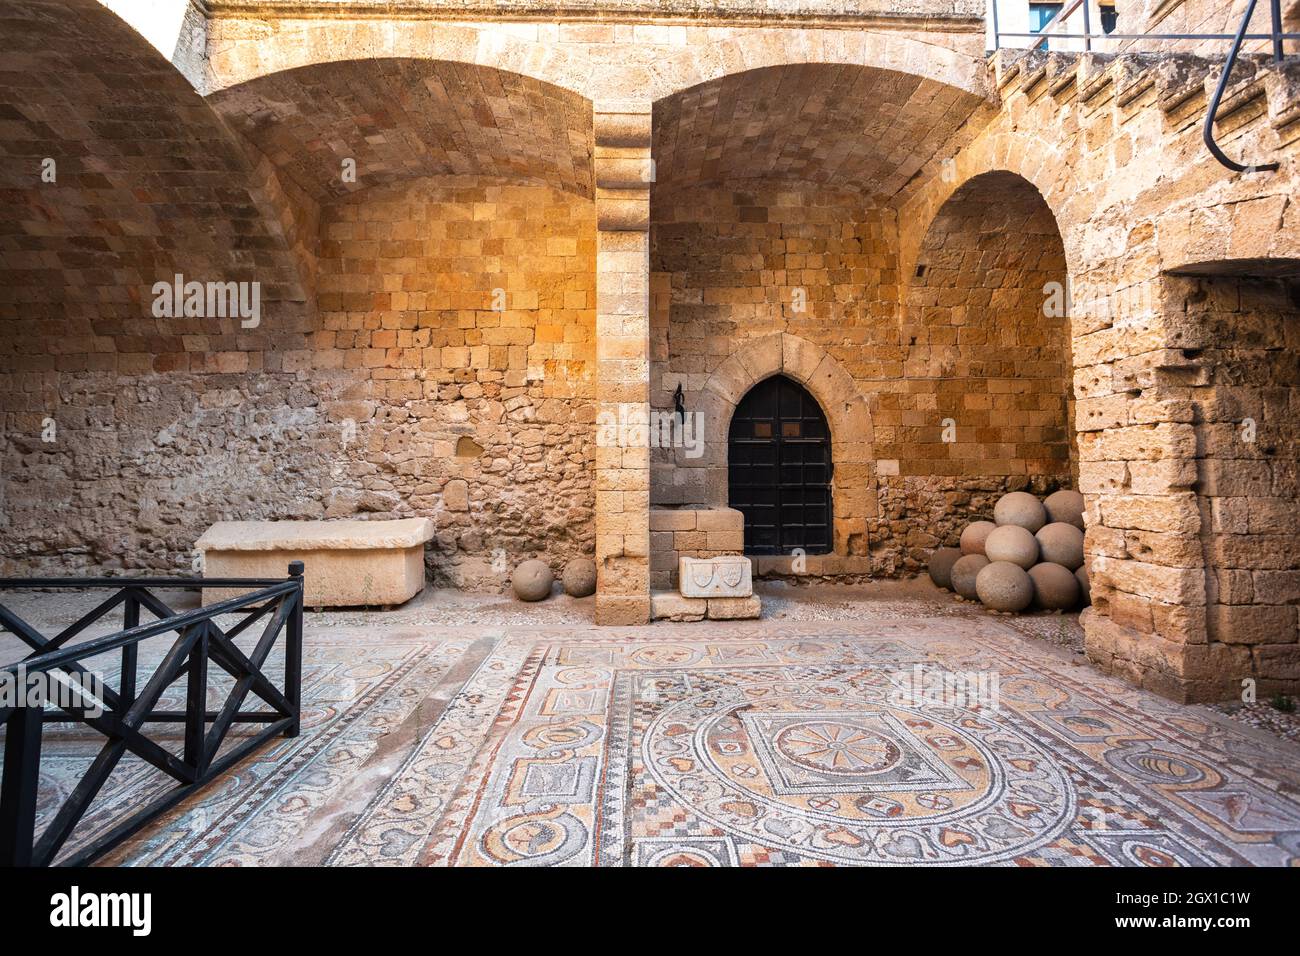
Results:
[1264, 716]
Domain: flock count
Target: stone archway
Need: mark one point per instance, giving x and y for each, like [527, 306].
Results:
[961, 72]
[239, 52]
[984, 403]
[243, 56]
[1139, 344]
[401, 119]
[846, 412]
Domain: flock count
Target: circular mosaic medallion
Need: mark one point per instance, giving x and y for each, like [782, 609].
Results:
[815, 768]
[544, 838]
[837, 747]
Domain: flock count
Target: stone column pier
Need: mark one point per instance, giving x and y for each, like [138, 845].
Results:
[624, 172]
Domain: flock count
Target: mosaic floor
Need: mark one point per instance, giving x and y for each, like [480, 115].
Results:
[772, 743]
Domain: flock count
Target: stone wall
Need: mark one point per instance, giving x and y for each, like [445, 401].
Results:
[691, 533]
[966, 379]
[1211, 570]
[631, 9]
[406, 394]
[105, 468]
[467, 309]
[1202, 16]
[1248, 471]
[733, 265]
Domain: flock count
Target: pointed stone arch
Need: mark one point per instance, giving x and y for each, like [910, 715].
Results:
[846, 412]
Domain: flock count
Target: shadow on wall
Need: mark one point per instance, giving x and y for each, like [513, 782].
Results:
[984, 401]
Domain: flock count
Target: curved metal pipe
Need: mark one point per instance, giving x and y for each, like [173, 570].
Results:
[1212, 111]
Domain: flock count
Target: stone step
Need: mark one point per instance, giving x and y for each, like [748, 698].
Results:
[671, 606]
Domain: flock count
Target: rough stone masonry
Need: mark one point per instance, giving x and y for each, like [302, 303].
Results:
[480, 231]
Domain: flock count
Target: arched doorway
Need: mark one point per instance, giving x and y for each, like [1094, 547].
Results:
[779, 469]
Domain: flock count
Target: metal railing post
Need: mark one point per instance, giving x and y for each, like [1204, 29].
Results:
[1087, 27]
[1276, 10]
[196, 705]
[997, 33]
[293, 651]
[22, 772]
[127, 675]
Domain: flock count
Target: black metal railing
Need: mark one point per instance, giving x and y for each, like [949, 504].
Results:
[1276, 37]
[121, 714]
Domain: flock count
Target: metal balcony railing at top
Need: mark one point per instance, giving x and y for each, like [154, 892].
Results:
[1275, 36]
[120, 714]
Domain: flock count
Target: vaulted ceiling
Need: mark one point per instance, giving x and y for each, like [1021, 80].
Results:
[115, 174]
[850, 126]
[403, 119]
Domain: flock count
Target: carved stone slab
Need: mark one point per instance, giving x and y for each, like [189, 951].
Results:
[729, 575]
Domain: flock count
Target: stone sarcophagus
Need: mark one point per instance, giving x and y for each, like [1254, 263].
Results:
[348, 563]
[726, 576]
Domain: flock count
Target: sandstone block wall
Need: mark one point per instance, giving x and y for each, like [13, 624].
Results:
[734, 266]
[467, 311]
[691, 533]
[1202, 16]
[963, 365]
[406, 394]
[1198, 543]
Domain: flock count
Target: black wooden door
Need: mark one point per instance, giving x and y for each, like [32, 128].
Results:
[779, 469]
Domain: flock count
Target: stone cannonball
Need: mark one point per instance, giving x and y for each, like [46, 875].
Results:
[1055, 587]
[965, 571]
[1020, 508]
[1061, 543]
[941, 563]
[973, 538]
[1065, 505]
[1014, 544]
[1004, 586]
[579, 578]
[1085, 585]
[532, 580]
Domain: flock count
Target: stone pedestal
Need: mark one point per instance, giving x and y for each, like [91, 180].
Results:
[690, 532]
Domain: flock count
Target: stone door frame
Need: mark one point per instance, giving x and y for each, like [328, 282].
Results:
[847, 412]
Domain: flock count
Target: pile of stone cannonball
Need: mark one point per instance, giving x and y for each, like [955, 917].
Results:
[1030, 554]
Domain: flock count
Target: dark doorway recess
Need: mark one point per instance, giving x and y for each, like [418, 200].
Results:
[779, 469]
